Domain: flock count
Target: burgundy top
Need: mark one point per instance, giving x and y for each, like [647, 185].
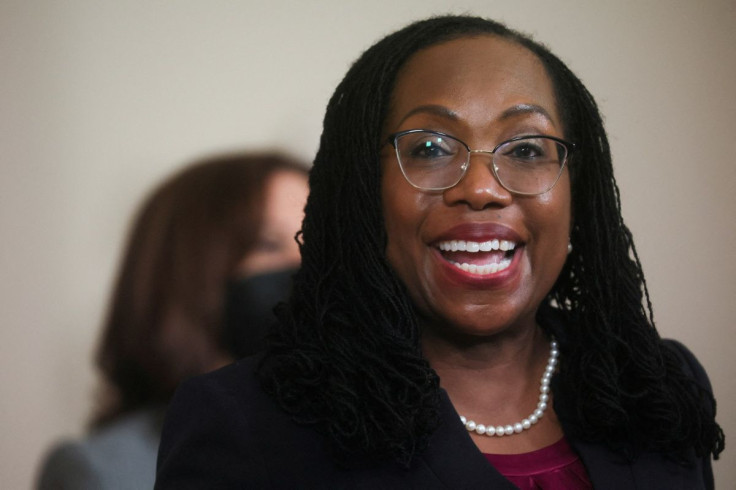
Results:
[555, 467]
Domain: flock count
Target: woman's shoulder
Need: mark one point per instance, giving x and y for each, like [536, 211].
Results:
[216, 430]
[122, 451]
[689, 363]
[68, 465]
[232, 387]
[224, 401]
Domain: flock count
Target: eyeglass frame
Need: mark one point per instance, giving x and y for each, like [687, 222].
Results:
[569, 148]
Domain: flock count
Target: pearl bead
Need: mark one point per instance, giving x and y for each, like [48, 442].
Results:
[516, 428]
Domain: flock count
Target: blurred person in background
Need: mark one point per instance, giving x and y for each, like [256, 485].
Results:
[210, 253]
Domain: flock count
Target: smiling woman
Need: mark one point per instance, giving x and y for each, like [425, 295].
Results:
[470, 309]
[476, 94]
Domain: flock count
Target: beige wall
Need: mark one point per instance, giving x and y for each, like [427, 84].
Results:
[99, 99]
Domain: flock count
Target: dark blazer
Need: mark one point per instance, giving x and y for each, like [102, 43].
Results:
[223, 432]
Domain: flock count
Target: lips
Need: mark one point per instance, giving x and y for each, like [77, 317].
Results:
[479, 249]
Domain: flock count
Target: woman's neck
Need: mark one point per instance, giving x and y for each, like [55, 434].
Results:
[511, 352]
[496, 380]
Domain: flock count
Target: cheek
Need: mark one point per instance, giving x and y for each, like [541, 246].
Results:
[397, 219]
[551, 220]
[557, 203]
[406, 253]
[403, 212]
[564, 205]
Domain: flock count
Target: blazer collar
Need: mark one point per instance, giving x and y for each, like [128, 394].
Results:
[453, 457]
[456, 461]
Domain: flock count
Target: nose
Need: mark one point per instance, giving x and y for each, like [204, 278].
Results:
[479, 187]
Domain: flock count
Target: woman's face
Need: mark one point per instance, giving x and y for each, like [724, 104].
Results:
[483, 90]
[283, 211]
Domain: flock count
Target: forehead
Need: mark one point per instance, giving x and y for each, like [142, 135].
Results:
[477, 77]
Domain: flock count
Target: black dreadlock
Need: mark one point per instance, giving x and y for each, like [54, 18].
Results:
[346, 354]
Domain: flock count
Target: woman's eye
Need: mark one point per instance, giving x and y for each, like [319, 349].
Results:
[430, 149]
[525, 151]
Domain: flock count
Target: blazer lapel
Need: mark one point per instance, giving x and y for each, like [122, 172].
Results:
[455, 460]
[606, 469]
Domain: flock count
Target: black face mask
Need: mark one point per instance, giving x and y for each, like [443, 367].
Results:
[249, 305]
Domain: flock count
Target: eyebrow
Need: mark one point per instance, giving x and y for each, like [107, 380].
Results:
[437, 110]
[525, 109]
[516, 110]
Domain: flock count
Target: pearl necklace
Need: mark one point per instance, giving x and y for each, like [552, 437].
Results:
[511, 429]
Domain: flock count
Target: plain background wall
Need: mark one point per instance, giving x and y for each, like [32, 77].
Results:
[100, 99]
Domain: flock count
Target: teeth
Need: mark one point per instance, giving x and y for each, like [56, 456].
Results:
[483, 270]
[468, 246]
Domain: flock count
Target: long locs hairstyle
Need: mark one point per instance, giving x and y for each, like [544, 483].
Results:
[346, 356]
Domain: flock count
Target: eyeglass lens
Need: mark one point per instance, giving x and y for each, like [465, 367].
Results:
[434, 162]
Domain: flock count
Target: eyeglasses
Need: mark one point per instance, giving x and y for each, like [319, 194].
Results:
[526, 165]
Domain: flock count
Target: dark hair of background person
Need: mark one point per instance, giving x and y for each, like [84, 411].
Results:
[165, 318]
[347, 357]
